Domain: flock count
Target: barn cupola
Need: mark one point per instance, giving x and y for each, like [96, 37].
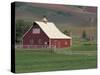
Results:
[45, 20]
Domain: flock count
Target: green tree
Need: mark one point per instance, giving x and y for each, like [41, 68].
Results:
[21, 28]
[67, 32]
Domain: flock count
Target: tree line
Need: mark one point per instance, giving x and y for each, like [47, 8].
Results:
[21, 27]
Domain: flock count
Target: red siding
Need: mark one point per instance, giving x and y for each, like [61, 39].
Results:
[61, 43]
[35, 39]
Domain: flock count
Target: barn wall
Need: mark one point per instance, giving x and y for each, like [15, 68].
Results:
[61, 43]
[35, 39]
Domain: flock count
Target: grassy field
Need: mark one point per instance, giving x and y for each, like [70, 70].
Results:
[76, 57]
[81, 55]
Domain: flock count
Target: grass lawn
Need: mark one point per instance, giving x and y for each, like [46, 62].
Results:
[35, 61]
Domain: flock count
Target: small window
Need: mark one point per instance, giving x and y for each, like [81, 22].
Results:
[36, 30]
[66, 43]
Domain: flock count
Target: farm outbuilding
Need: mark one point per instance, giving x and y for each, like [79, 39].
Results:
[44, 34]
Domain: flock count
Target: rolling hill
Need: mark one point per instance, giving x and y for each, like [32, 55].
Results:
[63, 14]
[66, 17]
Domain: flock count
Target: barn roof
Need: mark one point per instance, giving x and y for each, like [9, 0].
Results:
[51, 30]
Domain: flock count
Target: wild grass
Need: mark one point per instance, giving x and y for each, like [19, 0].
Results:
[76, 57]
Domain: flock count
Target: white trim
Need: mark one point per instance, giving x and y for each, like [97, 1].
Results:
[51, 30]
[46, 30]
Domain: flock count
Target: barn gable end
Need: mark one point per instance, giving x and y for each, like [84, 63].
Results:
[30, 38]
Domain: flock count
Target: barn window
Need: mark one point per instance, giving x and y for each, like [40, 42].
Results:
[36, 30]
[66, 43]
[45, 43]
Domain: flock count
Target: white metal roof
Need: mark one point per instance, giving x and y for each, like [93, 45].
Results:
[51, 30]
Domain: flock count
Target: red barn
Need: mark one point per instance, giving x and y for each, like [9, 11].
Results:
[45, 34]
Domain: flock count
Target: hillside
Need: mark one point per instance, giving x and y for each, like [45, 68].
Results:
[66, 17]
[59, 14]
